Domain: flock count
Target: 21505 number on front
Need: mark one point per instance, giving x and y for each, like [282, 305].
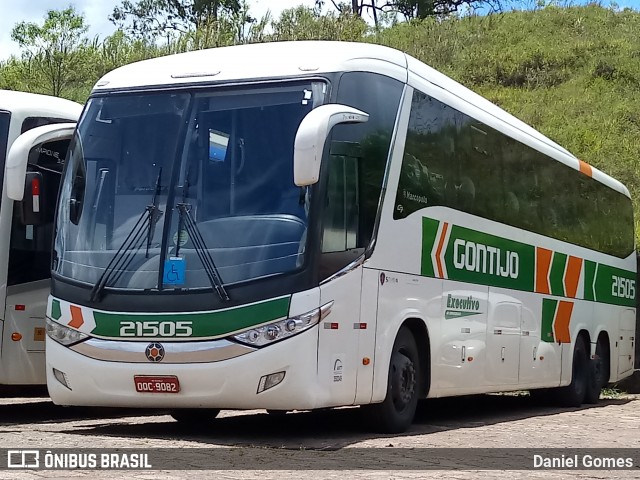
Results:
[155, 329]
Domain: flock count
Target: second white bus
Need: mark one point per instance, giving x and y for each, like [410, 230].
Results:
[26, 233]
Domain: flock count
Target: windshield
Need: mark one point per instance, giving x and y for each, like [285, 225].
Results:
[184, 190]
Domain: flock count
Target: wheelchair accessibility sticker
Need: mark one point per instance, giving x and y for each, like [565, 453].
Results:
[174, 271]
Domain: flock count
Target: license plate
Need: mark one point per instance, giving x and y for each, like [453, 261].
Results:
[156, 383]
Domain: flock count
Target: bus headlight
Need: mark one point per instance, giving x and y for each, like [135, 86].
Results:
[273, 332]
[64, 335]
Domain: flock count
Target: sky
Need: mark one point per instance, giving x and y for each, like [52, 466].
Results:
[96, 13]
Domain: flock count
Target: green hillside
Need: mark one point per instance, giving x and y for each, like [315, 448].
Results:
[572, 73]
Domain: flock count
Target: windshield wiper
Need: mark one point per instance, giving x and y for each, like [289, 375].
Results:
[186, 221]
[145, 226]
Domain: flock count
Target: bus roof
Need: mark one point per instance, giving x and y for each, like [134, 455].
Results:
[284, 59]
[258, 60]
[22, 102]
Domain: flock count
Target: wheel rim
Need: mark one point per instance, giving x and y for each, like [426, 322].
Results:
[403, 381]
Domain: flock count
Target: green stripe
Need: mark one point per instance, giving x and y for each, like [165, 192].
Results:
[477, 257]
[56, 313]
[204, 325]
[429, 232]
[614, 285]
[548, 312]
[491, 254]
[556, 276]
[589, 275]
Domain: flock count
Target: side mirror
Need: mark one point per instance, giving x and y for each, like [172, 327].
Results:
[311, 136]
[30, 208]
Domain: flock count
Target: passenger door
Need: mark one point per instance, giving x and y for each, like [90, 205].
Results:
[338, 335]
[503, 340]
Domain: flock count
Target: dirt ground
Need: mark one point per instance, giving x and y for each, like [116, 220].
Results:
[490, 421]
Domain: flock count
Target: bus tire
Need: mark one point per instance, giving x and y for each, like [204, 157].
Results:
[574, 394]
[194, 416]
[598, 373]
[395, 414]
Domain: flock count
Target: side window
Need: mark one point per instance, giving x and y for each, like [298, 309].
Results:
[33, 122]
[341, 212]
[447, 154]
[5, 120]
[453, 160]
[30, 245]
[354, 171]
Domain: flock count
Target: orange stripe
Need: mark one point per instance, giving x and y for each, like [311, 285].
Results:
[561, 324]
[76, 317]
[586, 168]
[543, 263]
[439, 250]
[572, 275]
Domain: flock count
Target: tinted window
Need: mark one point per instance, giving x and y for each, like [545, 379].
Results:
[5, 119]
[186, 184]
[33, 122]
[30, 247]
[455, 161]
[356, 166]
[378, 96]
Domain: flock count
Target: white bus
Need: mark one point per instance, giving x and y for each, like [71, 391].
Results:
[314, 224]
[26, 235]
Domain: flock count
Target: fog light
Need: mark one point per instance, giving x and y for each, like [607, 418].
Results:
[270, 381]
[61, 377]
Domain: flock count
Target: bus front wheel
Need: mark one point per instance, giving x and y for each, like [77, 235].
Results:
[395, 414]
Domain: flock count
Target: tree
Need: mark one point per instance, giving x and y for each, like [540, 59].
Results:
[302, 23]
[54, 52]
[152, 18]
[429, 8]
[411, 8]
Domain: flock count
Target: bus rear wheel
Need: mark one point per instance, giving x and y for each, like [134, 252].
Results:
[598, 373]
[395, 414]
[574, 394]
[194, 416]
